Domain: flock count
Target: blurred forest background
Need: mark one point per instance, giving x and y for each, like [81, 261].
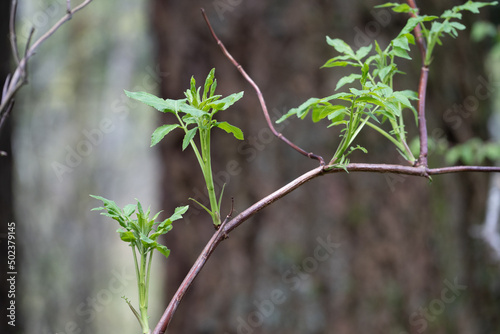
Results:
[407, 258]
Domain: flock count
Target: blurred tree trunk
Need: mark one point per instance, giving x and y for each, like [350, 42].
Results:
[402, 241]
[6, 201]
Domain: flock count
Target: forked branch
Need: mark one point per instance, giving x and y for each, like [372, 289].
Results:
[17, 79]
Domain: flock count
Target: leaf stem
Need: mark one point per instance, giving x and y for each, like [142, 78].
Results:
[207, 172]
[143, 293]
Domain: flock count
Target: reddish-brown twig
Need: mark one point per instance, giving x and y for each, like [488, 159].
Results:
[259, 95]
[422, 88]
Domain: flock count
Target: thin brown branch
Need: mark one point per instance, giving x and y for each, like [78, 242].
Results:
[18, 78]
[418, 31]
[422, 88]
[259, 95]
[228, 226]
[422, 122]
[229, 215]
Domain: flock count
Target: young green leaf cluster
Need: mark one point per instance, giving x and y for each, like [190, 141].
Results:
[142, 235]
[195, 115]
[373, 104]
[441, 25]
[375, 101]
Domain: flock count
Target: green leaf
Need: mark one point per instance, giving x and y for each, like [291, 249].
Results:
[359, 92]
[398, 8]
[237, 133]
[113, 211]
[212, 89]
[414, 21]
[193, 94]
[187, 138]
[340, 46]
[338, 114]
[300, 111]
[340, 96]
[474, 6]
[226, 102]
[320, 111]
[127, 236]
[162, 249]
[370, 99]
[129, 209]
[147, 242]
[339, 63]
[351, 149]
[347, 79]
[402, 53]
[163, 228]
[401, 42]
[363, 51]
[384, 72]
[208, 83]
[365, 70]
[179, 211]
[192, 111]
[450, 14]
[403, 99]
[155, 102]
[161, 132]
[393, 109]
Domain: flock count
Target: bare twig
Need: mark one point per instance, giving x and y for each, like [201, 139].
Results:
[259, 95]
[18, 78]
[422, 88]
[12, 31]
[422, 123]
[229, 215]
[68, 7]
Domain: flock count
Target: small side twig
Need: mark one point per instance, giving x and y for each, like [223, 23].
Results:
[231, 211]
[68, 7]
[259, 95]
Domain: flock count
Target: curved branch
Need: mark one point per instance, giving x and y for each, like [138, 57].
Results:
[230, 225]
[260, 96]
